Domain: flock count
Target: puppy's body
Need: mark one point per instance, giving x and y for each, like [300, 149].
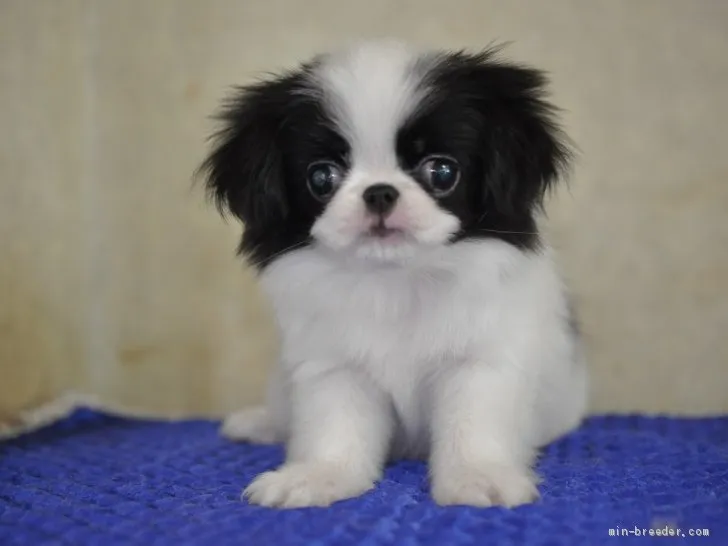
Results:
[423, 319]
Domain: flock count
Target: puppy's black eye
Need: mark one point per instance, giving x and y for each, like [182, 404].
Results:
[442, 174]
[323, 178]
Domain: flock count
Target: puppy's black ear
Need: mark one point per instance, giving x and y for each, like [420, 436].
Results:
[524, 150]
[528, 151]
[244, 172]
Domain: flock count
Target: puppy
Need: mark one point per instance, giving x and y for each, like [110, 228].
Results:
[389, 198]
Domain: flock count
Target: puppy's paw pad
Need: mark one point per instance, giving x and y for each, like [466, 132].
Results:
[488, 485]
[305, 484]
[250, 425]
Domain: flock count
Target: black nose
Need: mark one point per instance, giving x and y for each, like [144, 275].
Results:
[380, 198]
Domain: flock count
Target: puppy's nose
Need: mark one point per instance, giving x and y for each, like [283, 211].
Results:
[380, 198]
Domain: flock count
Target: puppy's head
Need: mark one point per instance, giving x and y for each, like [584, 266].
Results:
[382, 152]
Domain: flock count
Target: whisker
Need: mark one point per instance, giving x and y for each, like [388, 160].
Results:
[304, 243]
[487, 230]
[272, 256]
[507, 232]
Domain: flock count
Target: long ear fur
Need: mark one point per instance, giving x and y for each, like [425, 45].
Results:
[529, 150]
[525, 150]
[244, 173]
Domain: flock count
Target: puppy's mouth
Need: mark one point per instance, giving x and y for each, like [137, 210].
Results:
[381, 231]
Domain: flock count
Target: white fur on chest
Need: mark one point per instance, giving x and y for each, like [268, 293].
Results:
[385, 316]
[402, 324]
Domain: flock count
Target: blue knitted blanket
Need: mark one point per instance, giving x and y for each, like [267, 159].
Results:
[98, 479]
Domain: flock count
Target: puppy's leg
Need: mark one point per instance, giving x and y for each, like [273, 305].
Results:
[482, 436]
[340, 431]
[250, 425]
[261, 424]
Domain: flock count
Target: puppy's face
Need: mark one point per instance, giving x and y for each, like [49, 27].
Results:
[381, 152]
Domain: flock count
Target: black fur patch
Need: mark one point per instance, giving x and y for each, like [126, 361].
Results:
[271, 132]
[492, 118]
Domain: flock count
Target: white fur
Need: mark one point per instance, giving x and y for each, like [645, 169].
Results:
[371, 90]
[408, 347]
[463, 355]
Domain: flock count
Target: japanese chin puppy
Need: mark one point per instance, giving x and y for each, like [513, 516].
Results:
[389, 198]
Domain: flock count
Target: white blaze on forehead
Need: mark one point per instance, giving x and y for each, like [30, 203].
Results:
[371, 89]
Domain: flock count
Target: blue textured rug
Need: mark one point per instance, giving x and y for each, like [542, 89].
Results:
[96, 479]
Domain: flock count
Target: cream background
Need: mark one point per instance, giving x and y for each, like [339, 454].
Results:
[117, 279]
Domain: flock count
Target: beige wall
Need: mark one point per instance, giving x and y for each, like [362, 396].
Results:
[116, 278]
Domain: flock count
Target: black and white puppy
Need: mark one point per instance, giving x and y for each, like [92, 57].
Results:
[389, 198]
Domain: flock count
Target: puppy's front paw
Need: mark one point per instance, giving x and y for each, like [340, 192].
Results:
[306, 484]
[487, 485]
